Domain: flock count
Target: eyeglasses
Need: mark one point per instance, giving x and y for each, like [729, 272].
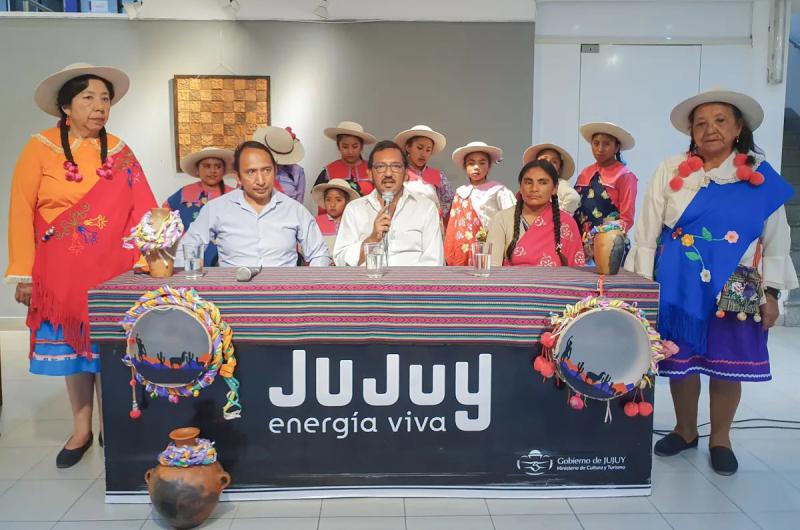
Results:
[380, 167]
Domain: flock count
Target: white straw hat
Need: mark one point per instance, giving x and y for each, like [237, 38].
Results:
[318, 191]
[495, 153]
[283, 144]
[350, 128]
[567, 162]
[438, 139]
[751, 110]
[190, 161]
[626, 141]
[47, 91]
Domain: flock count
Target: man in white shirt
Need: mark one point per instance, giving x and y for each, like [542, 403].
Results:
[410, 222]
[257, 225]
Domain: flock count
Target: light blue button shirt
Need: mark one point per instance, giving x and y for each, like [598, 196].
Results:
[269, 238]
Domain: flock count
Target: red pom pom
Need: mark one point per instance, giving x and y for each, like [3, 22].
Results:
[548, 340]
[684, 169]
[740, 159]
[537, 363]
[676, 183]
[695, 163]
[135, 414]
[132, 382]
[576, 402]
[744, 172]
[720, 313]
[548, 369]
[645, 408]
[631, 409]
[756, 179]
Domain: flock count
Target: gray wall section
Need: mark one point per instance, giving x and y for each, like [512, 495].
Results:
[470, 81]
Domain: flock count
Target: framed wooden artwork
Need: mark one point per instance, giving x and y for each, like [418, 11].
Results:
[218, 110]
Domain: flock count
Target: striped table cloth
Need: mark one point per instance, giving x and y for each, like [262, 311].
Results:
[408, 305]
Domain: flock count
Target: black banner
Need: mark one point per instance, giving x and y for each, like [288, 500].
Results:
[383, 416]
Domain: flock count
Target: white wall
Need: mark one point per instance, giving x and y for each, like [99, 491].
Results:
[793, 67]
[730, 58]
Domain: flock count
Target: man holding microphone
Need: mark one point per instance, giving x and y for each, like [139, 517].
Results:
[408, 224]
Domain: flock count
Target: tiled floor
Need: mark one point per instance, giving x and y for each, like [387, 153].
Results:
[686, 493]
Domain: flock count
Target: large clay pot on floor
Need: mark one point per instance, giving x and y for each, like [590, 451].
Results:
[186, 496]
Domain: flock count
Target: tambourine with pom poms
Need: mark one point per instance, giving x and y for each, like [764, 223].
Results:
[177, 343]
[602, 349]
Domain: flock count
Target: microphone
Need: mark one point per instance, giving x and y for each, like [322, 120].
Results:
[387, 197]
[245, 274]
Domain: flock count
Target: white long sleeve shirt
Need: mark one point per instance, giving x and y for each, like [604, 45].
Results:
[663, 207]
[487, 199]
[415, 235]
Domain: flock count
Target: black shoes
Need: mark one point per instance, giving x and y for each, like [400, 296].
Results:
[69, 457]
[723, 461]
[672, 444]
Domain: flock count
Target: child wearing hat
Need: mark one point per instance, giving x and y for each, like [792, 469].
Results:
[474, 203]
[332, 197]
[607, 187]
[420, 143]
[288, 151]
[350, 139]
[209, 166]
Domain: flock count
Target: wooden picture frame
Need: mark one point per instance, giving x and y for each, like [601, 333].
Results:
[218, 110]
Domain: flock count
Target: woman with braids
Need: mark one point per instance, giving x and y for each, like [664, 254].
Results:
[713, 233]
[75, 192]
[209, 165]
[607, 187]
[535, 231]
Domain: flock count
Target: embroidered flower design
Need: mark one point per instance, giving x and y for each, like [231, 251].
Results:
[604, 195]
[464, 247]
[468, 235]
[580, 258]
[705, 275]
[597, 214]
[566, 232]
[705, 236]
[732, 237]
[687, 240]
[459, 235]
[737, 287]
[677, 233]
[539, 221]
[590, 195]
[547, 261]
[519, 251]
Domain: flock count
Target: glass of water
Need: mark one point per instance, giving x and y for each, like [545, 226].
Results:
[193, 255]
[375, 257]
[481, 258]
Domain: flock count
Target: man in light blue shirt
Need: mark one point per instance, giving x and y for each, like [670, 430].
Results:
[257, 225]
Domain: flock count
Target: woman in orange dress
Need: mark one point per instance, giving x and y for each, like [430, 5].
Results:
[76, 191]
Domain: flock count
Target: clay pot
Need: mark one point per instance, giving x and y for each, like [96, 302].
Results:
[159, 261]
[609, 251]
[186, 496]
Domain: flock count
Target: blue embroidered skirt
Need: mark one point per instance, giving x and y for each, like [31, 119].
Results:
[53, 356]
[737, 351]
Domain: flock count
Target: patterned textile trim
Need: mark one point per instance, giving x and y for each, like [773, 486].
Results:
[715, 361]
[722, 375]
[64, 357]
[74, 145]
[17, 279]
[409, 305]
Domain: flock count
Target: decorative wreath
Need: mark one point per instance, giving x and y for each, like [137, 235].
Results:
[161, 240]
[202, 453]
[546, 365]
[222, 362]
